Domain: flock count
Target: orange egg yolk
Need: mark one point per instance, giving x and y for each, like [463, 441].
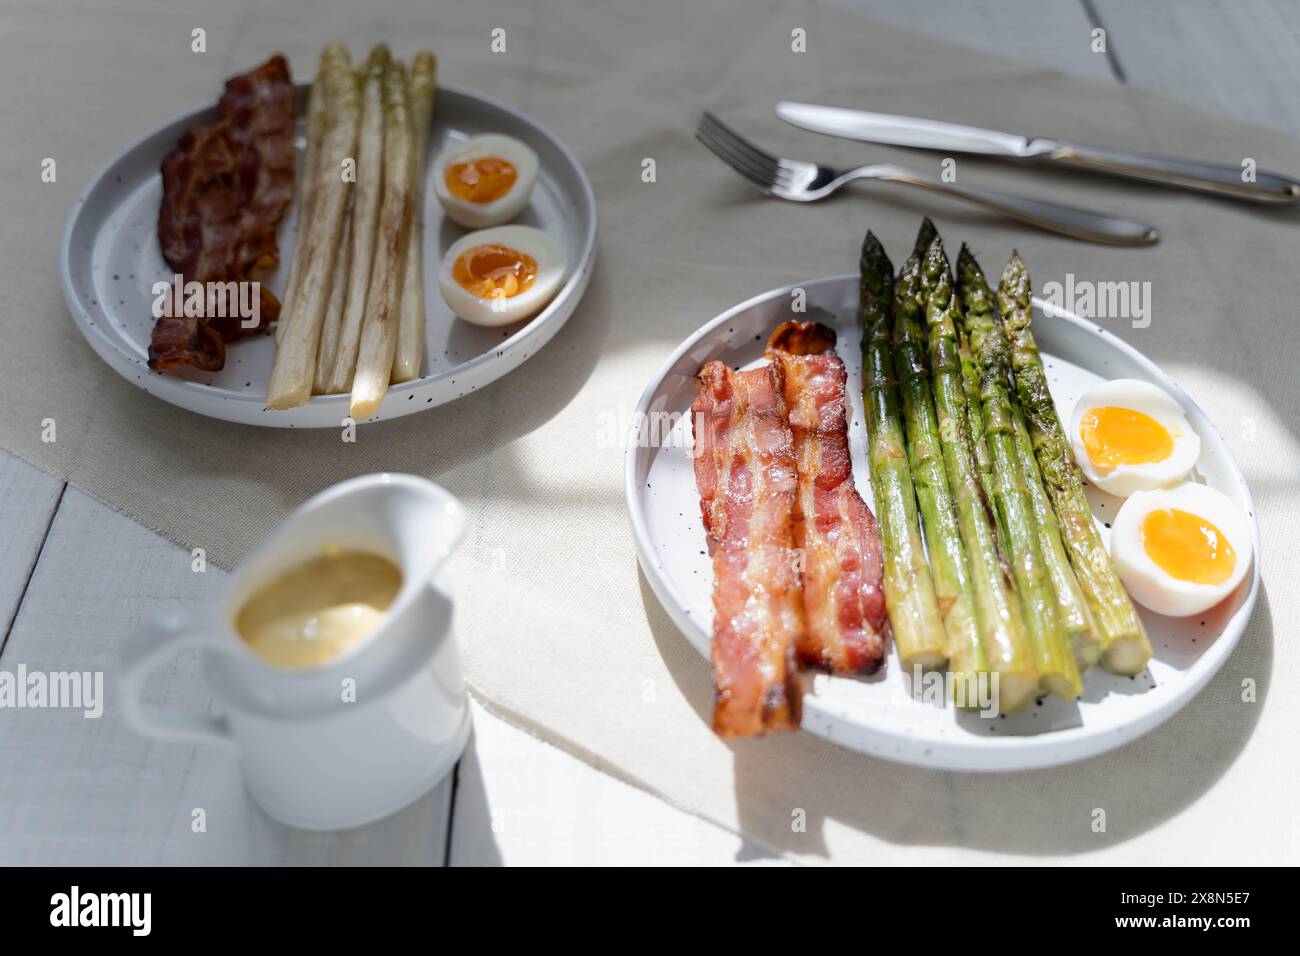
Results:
[481, 180]
[494, 271]
[1116, 436]
[1187, 546]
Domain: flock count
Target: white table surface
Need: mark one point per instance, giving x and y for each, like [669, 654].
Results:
[74, 573]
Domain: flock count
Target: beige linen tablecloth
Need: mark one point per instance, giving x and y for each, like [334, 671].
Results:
[559, 631]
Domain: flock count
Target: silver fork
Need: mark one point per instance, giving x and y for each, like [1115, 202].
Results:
[807, 182]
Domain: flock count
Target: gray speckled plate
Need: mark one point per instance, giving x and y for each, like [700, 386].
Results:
[880, 715]
[110, 260]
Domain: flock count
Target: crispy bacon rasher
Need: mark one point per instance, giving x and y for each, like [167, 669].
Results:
[843, 596]
[745, 470]
[226, 187]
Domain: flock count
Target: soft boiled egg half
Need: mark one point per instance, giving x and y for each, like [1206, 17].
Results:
[1180, 551]
[499, 276]
[485, 181]
[1129, 436]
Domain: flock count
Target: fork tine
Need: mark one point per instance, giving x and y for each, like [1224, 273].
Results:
[721, 152]
[737, 160]
[732, 155]
[738, 155]
[737, 140]
[784, 174]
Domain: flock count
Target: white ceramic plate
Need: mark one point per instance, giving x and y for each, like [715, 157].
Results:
[879, 715]
[110, 260]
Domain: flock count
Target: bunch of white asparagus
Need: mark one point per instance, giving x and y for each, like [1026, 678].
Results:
[353, 313]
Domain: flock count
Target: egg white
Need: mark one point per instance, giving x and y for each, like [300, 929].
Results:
[477, 215]
[550, 259]
[1147, 582]
[1124, 480]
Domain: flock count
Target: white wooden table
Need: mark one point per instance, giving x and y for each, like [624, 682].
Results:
[75, 577]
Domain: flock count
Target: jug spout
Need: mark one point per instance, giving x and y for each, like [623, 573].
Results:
[407, 519]
[429, 520]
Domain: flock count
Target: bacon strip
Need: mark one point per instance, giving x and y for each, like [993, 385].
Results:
[843, 596]
[226, 186]
[745, 470]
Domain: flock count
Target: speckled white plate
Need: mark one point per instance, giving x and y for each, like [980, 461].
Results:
[879, 715]
[110, 260]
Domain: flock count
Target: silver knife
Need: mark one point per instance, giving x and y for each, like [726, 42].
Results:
[1221, 180]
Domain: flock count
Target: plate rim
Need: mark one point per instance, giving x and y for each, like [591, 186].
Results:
[184, 393]
[1004, 754]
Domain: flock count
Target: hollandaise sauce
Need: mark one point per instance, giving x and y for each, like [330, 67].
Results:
[320, 609]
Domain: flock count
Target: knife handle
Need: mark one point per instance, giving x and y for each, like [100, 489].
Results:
[1221, 180]
[1065, 220]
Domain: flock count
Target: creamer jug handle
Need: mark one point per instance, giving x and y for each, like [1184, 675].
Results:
[159, 639]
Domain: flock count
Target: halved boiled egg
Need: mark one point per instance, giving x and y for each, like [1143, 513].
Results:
[485, 181]
[1182, 550]
[1129, 435]
[498, 276]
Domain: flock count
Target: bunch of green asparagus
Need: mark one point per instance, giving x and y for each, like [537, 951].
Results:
[970, 466]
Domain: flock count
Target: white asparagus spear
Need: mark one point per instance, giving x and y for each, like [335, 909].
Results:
[317, 119]
[329, 333]
[379, 333]
[365, 222]
[295, 355]
[410, 331]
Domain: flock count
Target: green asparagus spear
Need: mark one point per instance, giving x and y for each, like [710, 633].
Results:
[1001, 647]
[948, 565]
[1070, 602]
[970, 381]
[909, 593]
[1124, 645]
[924, 282]
[924, 237]
[1071, 605]
[1052, 652]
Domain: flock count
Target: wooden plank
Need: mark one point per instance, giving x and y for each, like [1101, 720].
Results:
[28, 499]
[569, 813]
[90, 791]
[1050, 33]
[1241, 59]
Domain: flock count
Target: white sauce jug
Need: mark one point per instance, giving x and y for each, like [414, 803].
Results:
[360, 736]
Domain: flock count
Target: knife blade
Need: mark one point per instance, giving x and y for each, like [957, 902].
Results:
[1222, 180]
[907, 130]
